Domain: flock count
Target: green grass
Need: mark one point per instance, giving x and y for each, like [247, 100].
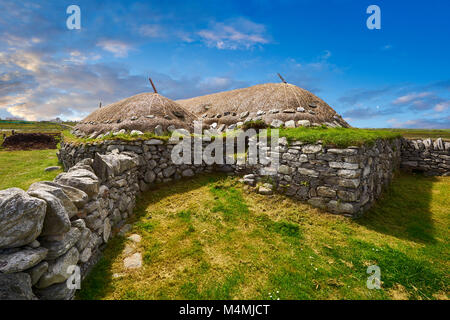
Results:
[422, 133]
[340, 137]
[70, 138]
[214, 238]
[22, 168]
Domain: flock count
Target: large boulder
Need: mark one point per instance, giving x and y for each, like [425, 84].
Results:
[21, 218]
[113, 164]
[57, 220]
[82, 179]
[78, 197]
[57, 247]
[21, 260]
[16, 286]
[57, 269]
[58, 193]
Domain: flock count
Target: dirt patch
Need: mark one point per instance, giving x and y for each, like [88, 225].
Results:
[30, 141]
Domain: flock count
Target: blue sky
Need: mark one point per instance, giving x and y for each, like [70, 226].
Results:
[398, 76]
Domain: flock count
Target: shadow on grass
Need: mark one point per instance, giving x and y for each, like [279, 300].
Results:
[404, 209]
[99, 282]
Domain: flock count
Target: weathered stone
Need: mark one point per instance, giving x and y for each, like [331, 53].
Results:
[312, 148]
[318, 202]
[110, 165]
[41, 188]
[341, 207]
[56, 217]
[58, 247]
[153, 142]
[21, 218]
[85, 254]
[58, 291]
[349, 183]
[81, 179]
[344, 152]
[149, 176]
[77, 196]
[284, 169]
[57, 269]
[344, 165]
[347, 195]
[326, 192]
[136, 133]
[169, 171]
[303, 123]
[133, 262]
[21, 260]
[188, 173]
[159, 130]
[106, 230]
[265, 191]
[135, 238]
[276, 123]
[16, 286]
[289, 124]
[244, 114]
[308, 172]
[349, 174]
[37, 271]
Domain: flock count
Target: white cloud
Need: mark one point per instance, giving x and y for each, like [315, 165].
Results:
[410, 97]
[151, 31]
[237, 34]
[119, 48]
[440, 107]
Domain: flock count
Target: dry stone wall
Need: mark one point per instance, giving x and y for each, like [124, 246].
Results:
[428, 156]
[344, 181]
[62, 223]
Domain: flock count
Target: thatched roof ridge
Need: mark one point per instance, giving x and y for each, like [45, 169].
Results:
[140, 112]
[266, 98]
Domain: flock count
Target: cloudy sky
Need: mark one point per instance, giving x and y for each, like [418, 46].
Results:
[398, 76]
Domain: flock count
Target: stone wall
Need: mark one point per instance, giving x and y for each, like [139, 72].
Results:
[343, 181]
[428, 156]
[63, 223]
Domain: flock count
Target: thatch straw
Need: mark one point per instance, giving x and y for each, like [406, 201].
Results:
[263, 97]
[133, 114]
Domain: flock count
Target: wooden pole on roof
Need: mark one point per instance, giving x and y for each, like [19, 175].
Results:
[100, 105]
[282, 79]
[154, 88]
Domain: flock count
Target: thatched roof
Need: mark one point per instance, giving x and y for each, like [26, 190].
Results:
[291, 102]
[140, 112]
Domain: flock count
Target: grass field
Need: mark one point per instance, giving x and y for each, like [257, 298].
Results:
[212, 238]
[22, 168]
